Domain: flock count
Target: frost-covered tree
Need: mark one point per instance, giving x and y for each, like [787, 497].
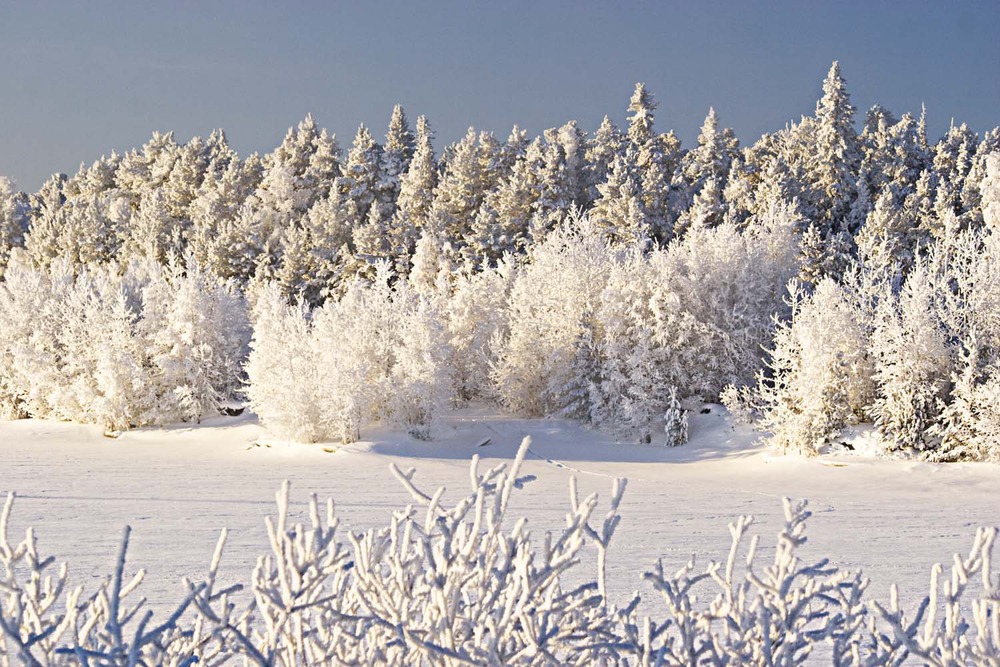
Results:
[13, 220]
[82, 230]
[708, 163]
[551, 300]
[118, 346]
[989, 189]
[477, 321]
[557, 188]
[503, 222]
[604, 146]
[379, 352]
[953, 161]
[195, 330]
[628, 386]
[642, 113]
[657, 161]
[217, 240]
[416, 195]
[889, 237]
[394, 160]
[619, 211]
[707, 209]
[913, 363]
[837, 156]
[357, 187]
[715, 297]
[283, 371]
[821, 373]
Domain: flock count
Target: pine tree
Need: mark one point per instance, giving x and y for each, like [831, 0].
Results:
[657, 161]
[502, 224]
[219, 200]
[707, 209]
[324, 165]
[416, 195]
[619, 211]
[573, 142]
[710, 161]
[642, 107]
[555, 188]
[489, 151]
[971, 193]
[153, 231]
[989, 189]
[837, 155]
[888, 239]
[13, 221]
[458, 195]
[147, 168]
[953, 160]
[606, 144]
[357, 187]
[396, 156]
[675, 420]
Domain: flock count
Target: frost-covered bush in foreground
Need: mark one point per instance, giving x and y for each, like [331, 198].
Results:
[468, 584]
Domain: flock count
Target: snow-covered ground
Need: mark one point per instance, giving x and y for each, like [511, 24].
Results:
[178, 486]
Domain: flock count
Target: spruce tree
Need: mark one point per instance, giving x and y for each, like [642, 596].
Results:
[416, 195]
[606, 144]
[837, 156]
[619, 212]
[13, 221]
[642, 108]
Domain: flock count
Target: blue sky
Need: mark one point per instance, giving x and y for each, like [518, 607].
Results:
[80, 79]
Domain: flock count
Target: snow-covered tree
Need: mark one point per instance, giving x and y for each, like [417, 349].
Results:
[642, 108]
[989, 189]
[628, 387]
[551, 299]
[912, 363]
[837, 156]
[707, 163]
[619, 210]
[889, 237]
[13, 220]
[459, 194]
[503, 222]
[821, 373]
[379, 352]
[604, 146]
[477, 322]
[195, 331]
[283, 369]
[416, 195]
[118, 346]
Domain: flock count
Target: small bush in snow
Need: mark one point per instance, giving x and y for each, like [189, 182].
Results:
[675, 421]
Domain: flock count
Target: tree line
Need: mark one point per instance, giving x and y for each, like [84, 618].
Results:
[828, 273]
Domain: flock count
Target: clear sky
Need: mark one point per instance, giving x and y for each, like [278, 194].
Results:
[80, 79]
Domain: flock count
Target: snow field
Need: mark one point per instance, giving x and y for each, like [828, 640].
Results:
[178, 487]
